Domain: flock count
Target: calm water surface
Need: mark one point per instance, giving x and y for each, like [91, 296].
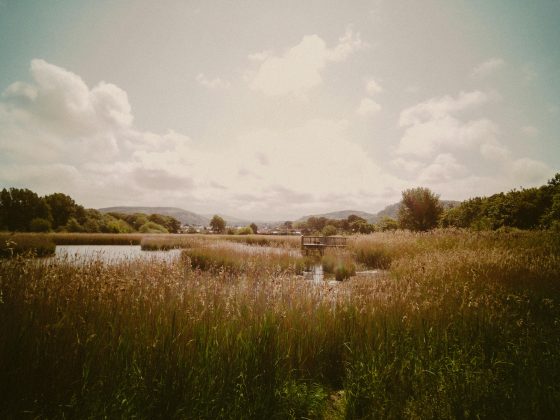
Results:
[111, 253]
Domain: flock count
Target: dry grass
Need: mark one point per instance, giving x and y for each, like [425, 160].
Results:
[37, 245]
[461, 326]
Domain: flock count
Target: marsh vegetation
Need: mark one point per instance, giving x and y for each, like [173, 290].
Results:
[459, 325]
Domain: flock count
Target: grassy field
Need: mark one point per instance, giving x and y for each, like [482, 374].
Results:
[460, 325]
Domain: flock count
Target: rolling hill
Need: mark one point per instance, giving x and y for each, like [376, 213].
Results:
[340, 215]
[189, 218]
[184, 216]
[391, 211]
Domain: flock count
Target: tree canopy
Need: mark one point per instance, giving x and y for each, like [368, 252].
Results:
[218, 224]
[23, 210]
[420, 209]
[529, 208]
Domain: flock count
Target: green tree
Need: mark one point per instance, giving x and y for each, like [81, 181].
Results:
[316, 224]
[254, 228]
[19, 206]
[387, 223]
[63, 207]
[244, 230]
[169, 223]
[73, 225]
[39, 224]
[152, 227]
[218, 224]
[419, 209]
[329, 230]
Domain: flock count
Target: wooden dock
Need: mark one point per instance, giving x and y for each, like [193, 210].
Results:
[319, 243]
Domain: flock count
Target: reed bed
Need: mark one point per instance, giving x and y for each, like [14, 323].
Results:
[97, 238]
[219, 257]
[462, 331]
[339, 263]
[35, 245]
[167, 242]
[284, 241]
[381, 249]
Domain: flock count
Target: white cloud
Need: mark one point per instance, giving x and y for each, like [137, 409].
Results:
[372, 87]
[79, 140]
[368, 107]
[447, 149]
[495, 152]
[445, 168]
[434, 126]
[20, 90]
[446, 134]
[488, 67]
[58, 134]
[300, 68]
[442, 107]
[406, 165]
[529, 171]
[216, 83]
[347, 44]
[260, 56]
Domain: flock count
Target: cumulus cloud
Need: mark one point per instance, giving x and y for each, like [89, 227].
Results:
[530, 171]
[372, 87]
[435, 125]
[368, 107]
[439, 145]
[299, 69]
[58, 134]
[488, 67]
[445, 168]
[216, 83]
[450, 134]
[442, 107]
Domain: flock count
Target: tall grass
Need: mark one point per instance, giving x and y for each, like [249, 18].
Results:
[219, 258]
[339, 263]
[22, 244]
[97, 238]
[167, 242]
[467, 328]
[285, 241]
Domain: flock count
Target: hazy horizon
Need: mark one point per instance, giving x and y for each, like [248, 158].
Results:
[276, 110]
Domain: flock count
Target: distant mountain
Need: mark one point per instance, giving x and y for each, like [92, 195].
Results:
[230, 220]
[190, 218]
[184, 216]
[391, 211]
[340, 215]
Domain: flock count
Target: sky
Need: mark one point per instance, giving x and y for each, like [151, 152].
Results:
[271, 110]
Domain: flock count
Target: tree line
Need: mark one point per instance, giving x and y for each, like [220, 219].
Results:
[421, 210]
[528, 208]
[23, 210]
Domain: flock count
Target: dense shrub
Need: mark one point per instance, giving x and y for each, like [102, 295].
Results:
[39, 225]
[151, 227]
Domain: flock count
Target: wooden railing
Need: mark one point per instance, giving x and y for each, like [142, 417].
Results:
[322, 241]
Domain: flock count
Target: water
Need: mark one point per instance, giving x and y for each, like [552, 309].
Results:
[111, 253]
[315, 274]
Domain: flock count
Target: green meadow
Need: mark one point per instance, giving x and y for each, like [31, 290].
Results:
[453, 324]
